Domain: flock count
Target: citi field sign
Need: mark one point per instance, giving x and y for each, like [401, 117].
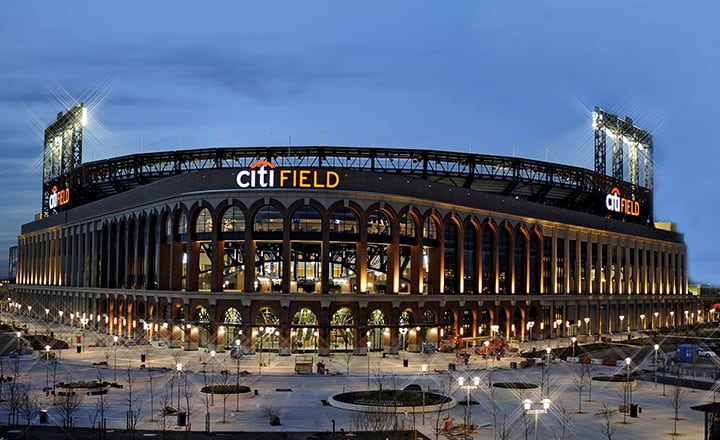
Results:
[263, 174]
[58, 197]
[614, 202]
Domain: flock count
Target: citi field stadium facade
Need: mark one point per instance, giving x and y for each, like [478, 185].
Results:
[291, 249]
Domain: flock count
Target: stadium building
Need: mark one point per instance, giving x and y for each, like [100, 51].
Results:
[327, 249]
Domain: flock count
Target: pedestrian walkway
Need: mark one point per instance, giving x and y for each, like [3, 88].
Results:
[300, 401]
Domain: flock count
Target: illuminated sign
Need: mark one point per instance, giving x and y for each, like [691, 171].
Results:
[58, 198]
[613, 202]
[263, 174]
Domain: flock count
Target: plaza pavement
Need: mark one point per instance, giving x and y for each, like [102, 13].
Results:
[299, 400]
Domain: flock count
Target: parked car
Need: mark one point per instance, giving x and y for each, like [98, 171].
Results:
[706, 353]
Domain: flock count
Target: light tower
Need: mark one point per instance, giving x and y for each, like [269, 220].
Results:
[62, 153]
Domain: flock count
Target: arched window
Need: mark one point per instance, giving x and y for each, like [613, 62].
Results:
[378, 223]
[233, 220]
[268, 219]
[306, 219]
[344, 220]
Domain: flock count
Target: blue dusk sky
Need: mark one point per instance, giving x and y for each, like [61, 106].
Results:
[508, 78]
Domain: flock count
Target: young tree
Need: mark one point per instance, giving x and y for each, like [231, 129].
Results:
[564, 417]
[151, 388]
[27, 405]
[677, 394]
[165, 400]
[68, 404]
[607, 427]
[580, 381]
[101, 405]
[133, 406]
[12, 402]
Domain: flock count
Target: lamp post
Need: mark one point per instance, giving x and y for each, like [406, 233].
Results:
[672, 317]
[487, 353]
[656, 347]
[84, 322]
[47, 366]
[642, 320]
[17, 358]
[468, 410]
[529, 327]
[655, 314]
[622, 318]
[237, 370]
[178, 368]
[423, 368]
[403, 332]
[573, 340]
[369, 344]
[628, 391]
[60, 312]
[587, 324]
[536, 409]
[212, 376]
[47, 313]
[115, 344]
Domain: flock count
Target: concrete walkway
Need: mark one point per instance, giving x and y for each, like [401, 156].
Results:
[299, 400]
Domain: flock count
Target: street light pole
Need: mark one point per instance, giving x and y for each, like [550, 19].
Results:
[536, 409]
[179, 372]
[468, 409]
[369, 344]
[115, 344]
[573, 340]
[424, 368]
[628, 390]
[212, 377]
[656, 347]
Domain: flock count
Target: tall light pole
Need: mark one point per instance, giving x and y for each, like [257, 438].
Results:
[536, 409]
[84, 322]
[587, 324]
[17, 358]
[573, 340]
[47, 366]
[529, 327]
[237, 368]
[369, 344]
[655, 314]
[628, 391]
[115, 344]
[642, 320]
[423, 368]
[178, 368]
[672, 317]
[468, 409]
[622, 318]
[656, 347]
[212, 376]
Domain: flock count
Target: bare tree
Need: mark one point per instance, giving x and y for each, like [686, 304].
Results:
[12, 402]
[580, 381]
[68, 404]
[438, 416]
[608, 426]
[27, 405]
[224, 376]
[101, 405]
[152, 394]
[504, 431]
[165, 399]
[133, 406]
[677, 394]
[564, 417]
[188, 393]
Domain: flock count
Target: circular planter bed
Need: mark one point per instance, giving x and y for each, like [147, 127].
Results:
[392, 401]
[225, 389]
[515, 385]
